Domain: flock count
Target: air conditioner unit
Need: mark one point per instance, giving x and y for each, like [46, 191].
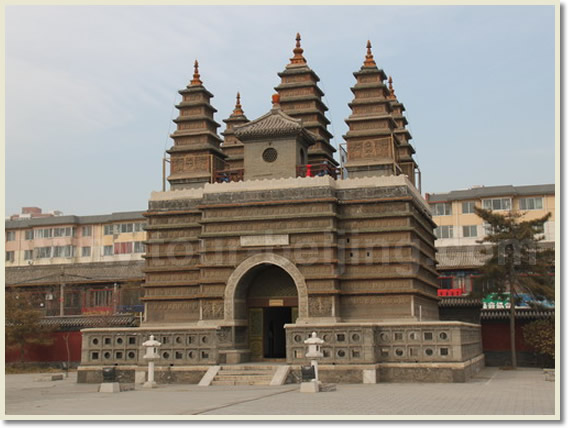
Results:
[49, 296]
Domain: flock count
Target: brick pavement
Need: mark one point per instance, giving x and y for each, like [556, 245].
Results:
[492, 392]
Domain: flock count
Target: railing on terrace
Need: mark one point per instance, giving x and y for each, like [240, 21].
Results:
[317, 170]
[228, 175]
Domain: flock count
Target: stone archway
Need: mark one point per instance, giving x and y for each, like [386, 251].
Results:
[230, 300]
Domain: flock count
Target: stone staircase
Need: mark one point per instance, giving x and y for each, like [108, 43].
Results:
[244, 375]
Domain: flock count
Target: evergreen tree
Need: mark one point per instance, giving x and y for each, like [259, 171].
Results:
[23, 325]
[517, 263]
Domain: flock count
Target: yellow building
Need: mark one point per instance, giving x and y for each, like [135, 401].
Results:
[458, 225]
[65, 239]
[76, 265]
[459, 254]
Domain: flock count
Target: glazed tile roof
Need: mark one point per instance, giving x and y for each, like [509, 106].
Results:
[274, 123]
[78, 273]
[490, 191]
[74, 219]
[470, 256]
[521, 313]
[459, 301]
[90, 321]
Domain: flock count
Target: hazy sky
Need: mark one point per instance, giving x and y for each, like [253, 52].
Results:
[91, 89]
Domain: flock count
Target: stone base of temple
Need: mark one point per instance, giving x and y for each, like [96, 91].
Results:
[328, 373]
[428, 351]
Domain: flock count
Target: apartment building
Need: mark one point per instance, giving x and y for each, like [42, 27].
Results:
[60, 239]
[458, 224]
[460, 255]
[76, 265]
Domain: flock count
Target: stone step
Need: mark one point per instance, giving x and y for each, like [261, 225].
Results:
[248, 368]
[234, 382]
[260, 378]
[245, 372]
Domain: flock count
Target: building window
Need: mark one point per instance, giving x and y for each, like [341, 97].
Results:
[28, 254]
[442, 209]
[43, 233]
[85, 251]
[126, 228]
[469, 231]
[270, 155]
[63, 231]
[107, 250]
[538, 228]
[468, 207]
[86, 230]
[10, 235]
[29, 235]
[101, 298]
[530, 203]
[64, 251]
[123, 248]
[444, 232]
[488, 229]
[446, 282]
[138, 247]
[43, 253]
[138, 227]
[497, 204]
[109, 229]
[10, 256]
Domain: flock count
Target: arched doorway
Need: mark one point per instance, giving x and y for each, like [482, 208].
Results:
[271, 299]
[255, 290]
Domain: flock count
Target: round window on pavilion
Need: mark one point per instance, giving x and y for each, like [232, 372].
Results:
[269, 155]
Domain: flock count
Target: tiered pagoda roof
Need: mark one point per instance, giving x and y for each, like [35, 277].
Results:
[372, 144]
[196, 143]
[232, 147]
[301, 98]
[405, 150]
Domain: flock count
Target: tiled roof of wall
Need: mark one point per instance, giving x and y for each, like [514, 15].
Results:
[74, 273]
[491, 191]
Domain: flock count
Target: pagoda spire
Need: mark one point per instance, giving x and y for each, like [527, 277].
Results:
[298, 58]
[196, 77]
[231, 146]
[238, 111]
[369, 60]
[392, 96]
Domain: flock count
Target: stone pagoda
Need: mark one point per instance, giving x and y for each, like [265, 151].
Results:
[231, 146]
[262, 241]
[405, 150]
[301, 98]
[195, 155]
[372, 145]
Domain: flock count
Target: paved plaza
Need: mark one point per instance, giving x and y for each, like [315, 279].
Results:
[492, 392]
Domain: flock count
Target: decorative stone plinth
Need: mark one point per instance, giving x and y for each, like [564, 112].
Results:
[310, 387]
[109, 387]
[150, 384]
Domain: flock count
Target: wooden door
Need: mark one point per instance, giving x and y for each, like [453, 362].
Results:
[255, 328]
[294, 314]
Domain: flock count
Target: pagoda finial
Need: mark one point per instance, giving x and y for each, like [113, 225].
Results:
[298, 58]
[196, 80]
[276, 101]
[369, 60]
[392, 96]
[238, 111]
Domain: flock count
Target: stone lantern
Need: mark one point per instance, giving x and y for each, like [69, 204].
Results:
[314, 351]
[151, 355]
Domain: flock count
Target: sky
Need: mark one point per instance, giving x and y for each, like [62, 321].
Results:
[90, 90]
